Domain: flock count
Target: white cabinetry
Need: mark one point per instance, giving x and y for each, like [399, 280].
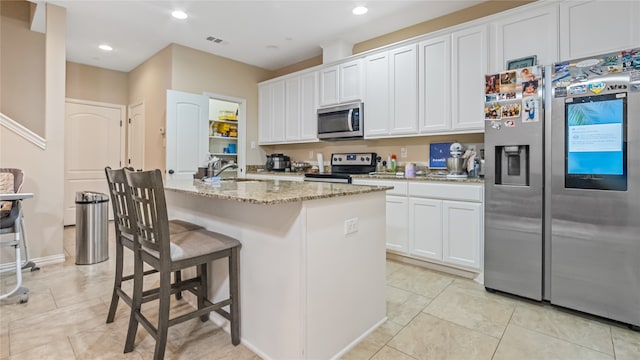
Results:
[271, 98]
[397, 234]
[525, 33]
[446, 223]
[469, 58]
[451, 81]
[435, 84]
[287, 110]
[376, 95]
[434, 221]
[595, 27]
[341, 83]
[425, 224]
[391, 93]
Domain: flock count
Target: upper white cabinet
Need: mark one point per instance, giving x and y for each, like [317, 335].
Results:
[595, 27]
[341, 83]
[272, 112]
[435, 84]
[376, 94]
[391, 93]
[287, 110]
[403, 81]
[469, 56]
[525, 33]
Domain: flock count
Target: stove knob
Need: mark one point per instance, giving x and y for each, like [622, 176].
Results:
[362, 158]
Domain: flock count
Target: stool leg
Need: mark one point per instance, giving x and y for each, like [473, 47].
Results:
[163, 314]
[203, 288]
[178, 280]
[117, 283]
[138, 276]
[234, 293]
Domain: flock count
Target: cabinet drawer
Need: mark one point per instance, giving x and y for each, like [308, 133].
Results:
[399, 187]
[461, 192]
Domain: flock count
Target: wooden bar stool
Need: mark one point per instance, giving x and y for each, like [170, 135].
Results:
[117, 182]
[155, 246]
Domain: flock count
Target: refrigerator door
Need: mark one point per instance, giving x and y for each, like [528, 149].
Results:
[595, 189]
[514, 202]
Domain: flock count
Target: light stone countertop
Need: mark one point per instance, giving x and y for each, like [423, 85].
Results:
[268, 192]
[379, 176]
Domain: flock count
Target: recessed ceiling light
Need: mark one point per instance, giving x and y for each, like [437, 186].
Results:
[178, 14]
[272, 47]
[360, 10]
[105, 47]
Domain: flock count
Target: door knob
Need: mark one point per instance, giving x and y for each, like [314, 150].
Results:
[171, 171]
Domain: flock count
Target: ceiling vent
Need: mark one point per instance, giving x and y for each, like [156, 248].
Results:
[214, 39]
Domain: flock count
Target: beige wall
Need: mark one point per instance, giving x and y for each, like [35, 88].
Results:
[197, 72]
[458, 17]
[44, 169]
[22, 64]
[417, 147]
[148, 83]
[92, 83]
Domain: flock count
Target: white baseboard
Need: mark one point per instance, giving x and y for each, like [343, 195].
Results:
[41, 261]
[355, 342]
[475, 276]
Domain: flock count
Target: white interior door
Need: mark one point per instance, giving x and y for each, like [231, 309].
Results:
[135, 136]
[94, 139]
[187, 133]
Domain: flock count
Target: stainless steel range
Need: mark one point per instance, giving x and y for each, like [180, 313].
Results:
[343, 165]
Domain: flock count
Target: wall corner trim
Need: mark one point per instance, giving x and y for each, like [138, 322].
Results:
[22, 131]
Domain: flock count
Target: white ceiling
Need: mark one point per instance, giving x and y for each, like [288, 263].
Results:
[268, 34]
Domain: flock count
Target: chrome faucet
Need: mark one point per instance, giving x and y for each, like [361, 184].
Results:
[226, 167]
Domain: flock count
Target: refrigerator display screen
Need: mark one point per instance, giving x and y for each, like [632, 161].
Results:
[595, 142]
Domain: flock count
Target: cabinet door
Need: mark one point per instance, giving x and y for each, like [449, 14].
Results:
[469, 59]
[397, 223]
[309, 106]
[277, 111]
[376, 97]
[524, 33]
[264, 114]
[462, 235]
[403, 65]
[595, 27]
[435, 84]
[425, 228]
[329, 85]
[351, 81]
[292, 109]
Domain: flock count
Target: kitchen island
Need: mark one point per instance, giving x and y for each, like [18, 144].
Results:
[312, 263]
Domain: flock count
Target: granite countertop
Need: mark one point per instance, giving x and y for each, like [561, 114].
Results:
[382, 176]
[267, 192]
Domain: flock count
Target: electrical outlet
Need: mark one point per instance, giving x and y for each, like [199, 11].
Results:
[310, 154]
[253, 144]
[472, 147]
[350, 226]
[403, 152]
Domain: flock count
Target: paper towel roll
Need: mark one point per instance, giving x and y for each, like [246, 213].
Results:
[320, 163]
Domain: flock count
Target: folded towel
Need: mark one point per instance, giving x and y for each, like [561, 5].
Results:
[470, 157]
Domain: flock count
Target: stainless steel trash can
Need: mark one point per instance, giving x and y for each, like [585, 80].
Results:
[92, 212]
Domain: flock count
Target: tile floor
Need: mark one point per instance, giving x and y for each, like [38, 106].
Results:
[432, 315]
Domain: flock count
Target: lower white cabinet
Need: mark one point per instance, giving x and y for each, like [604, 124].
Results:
[435, 221]
[397, 223]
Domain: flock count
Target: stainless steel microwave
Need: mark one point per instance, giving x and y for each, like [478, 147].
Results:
[341, 122]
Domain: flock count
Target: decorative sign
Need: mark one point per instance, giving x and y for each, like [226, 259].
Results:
[438, 154]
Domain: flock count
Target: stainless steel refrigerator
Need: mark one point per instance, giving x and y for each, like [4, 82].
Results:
[562, 186]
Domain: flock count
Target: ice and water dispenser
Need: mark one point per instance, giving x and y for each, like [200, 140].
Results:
[512, 165]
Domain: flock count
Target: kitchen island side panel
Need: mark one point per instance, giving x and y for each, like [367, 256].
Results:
[299, 273]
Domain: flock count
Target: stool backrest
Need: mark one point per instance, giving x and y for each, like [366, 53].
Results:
[17, 175]
[117, 181]
[150, 210]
